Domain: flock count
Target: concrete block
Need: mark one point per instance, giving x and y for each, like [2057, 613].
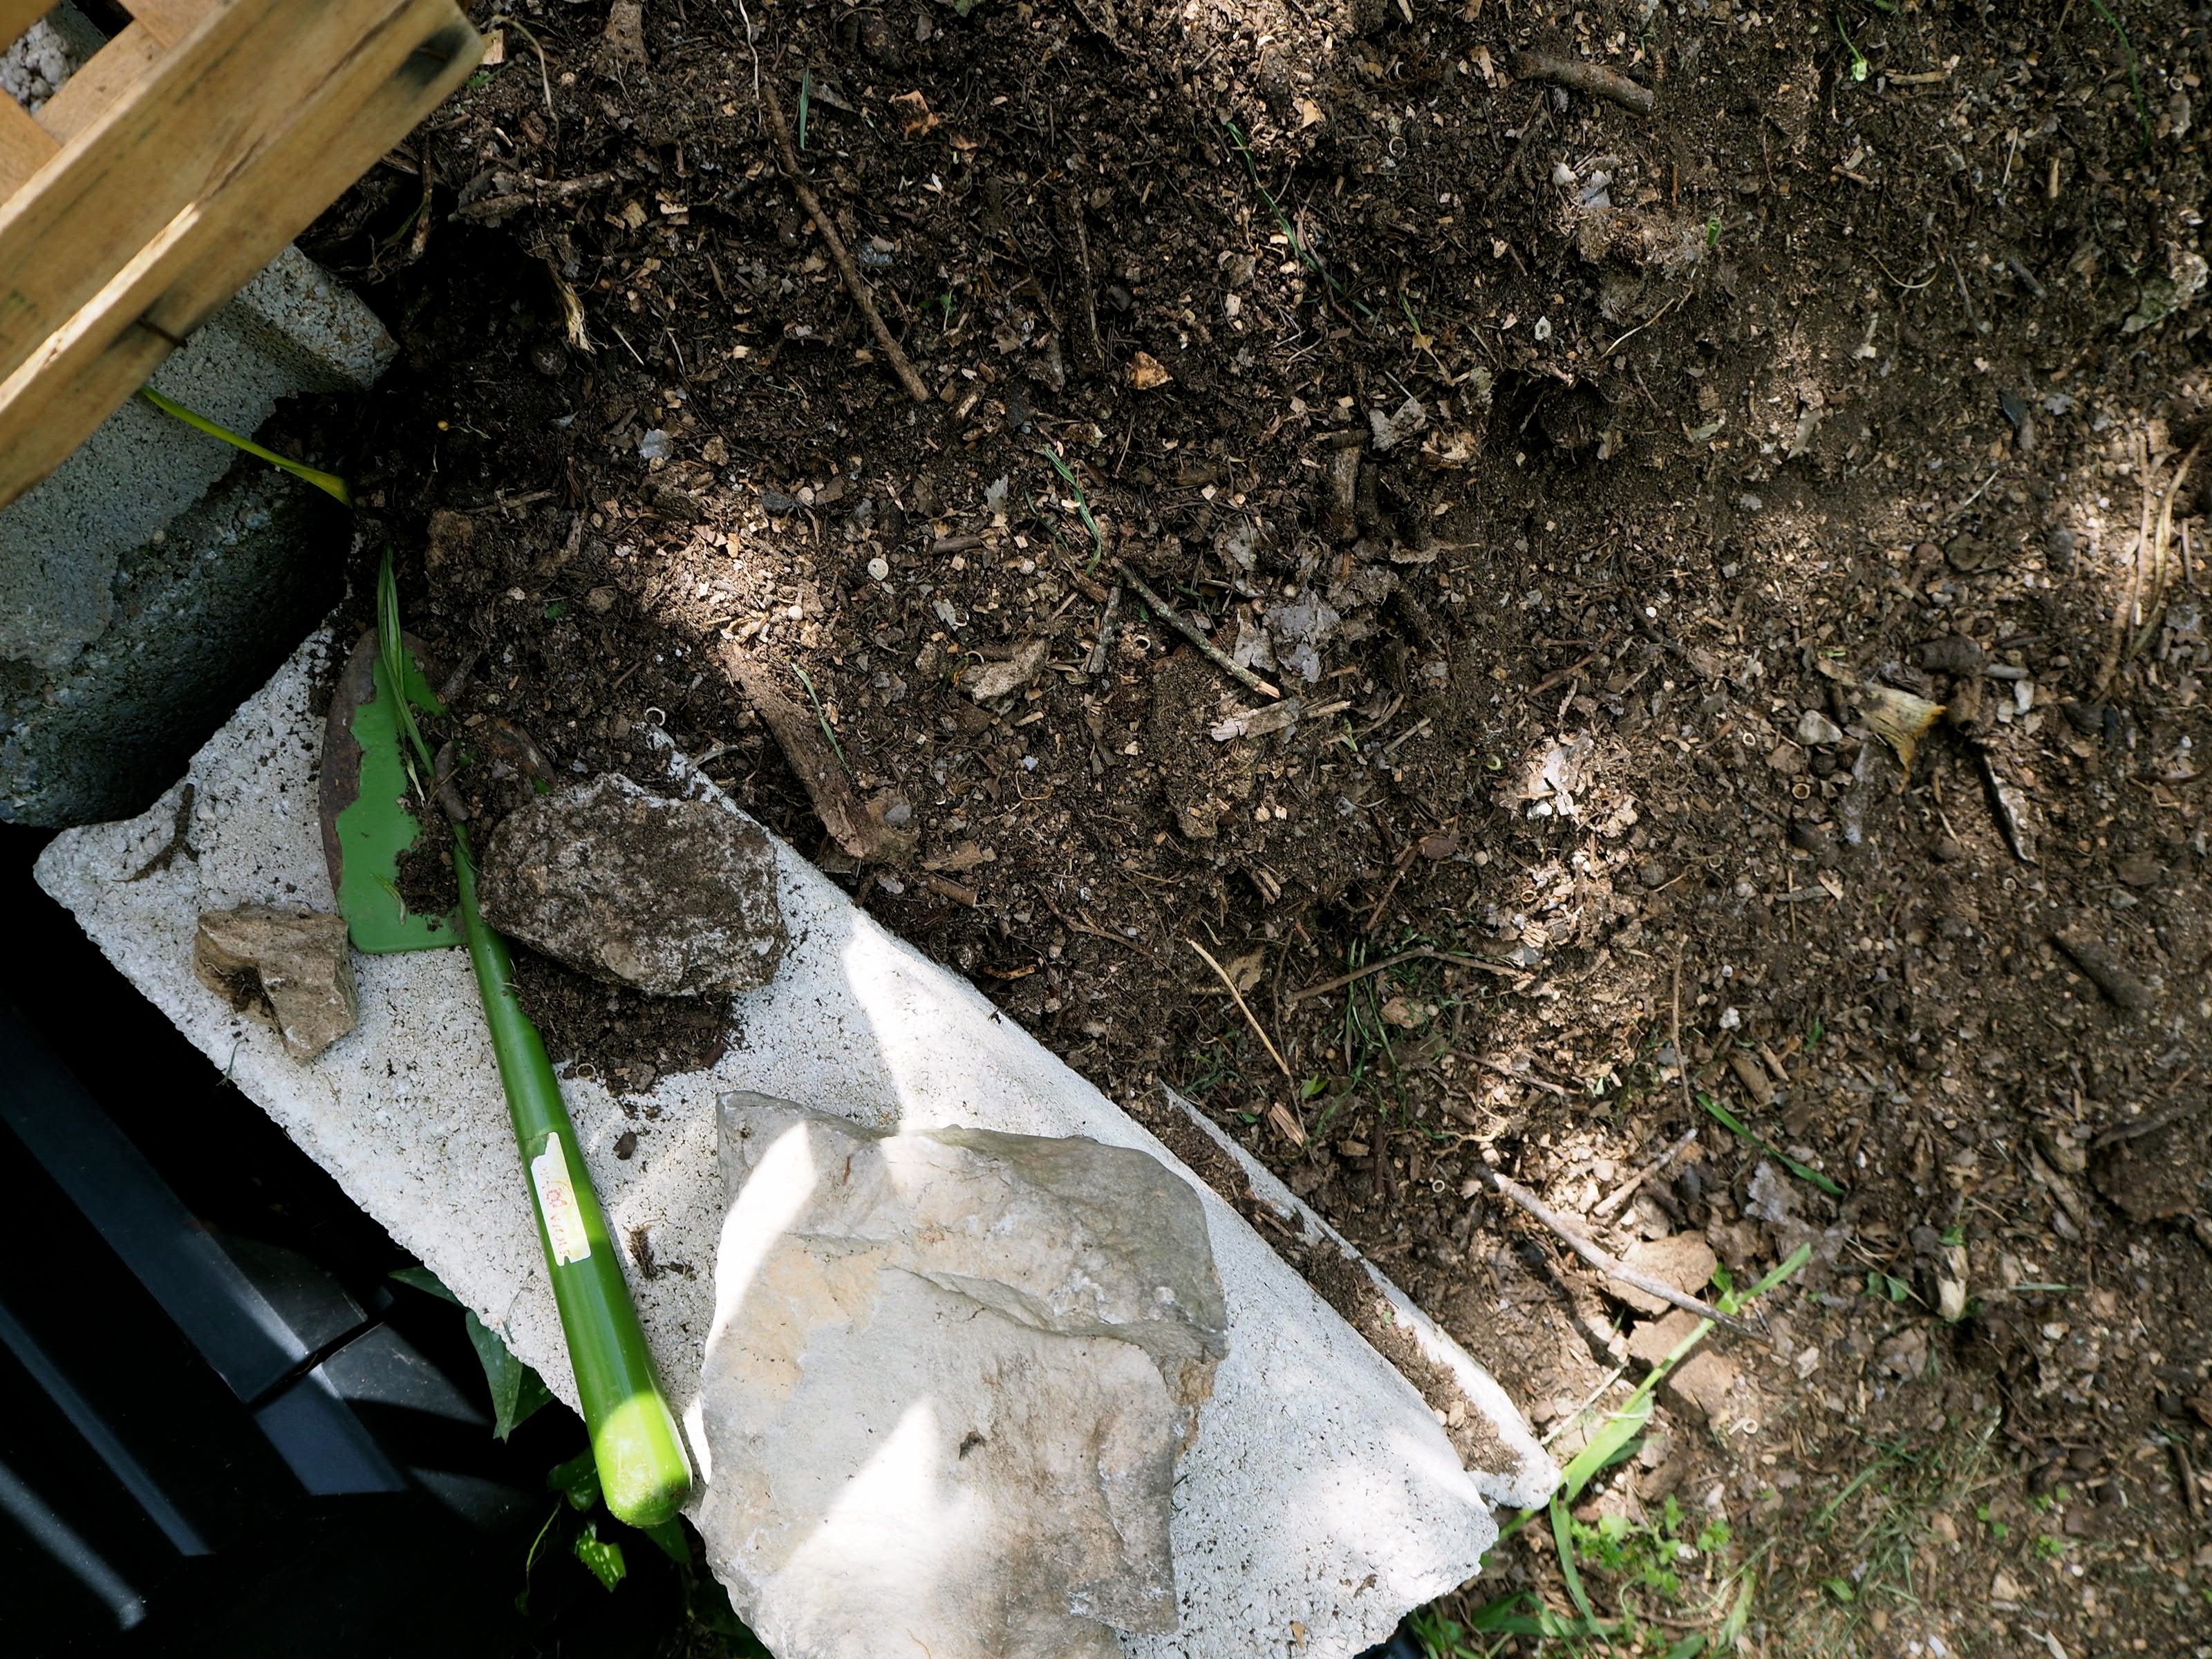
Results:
[1321, 1498]
[71, 550]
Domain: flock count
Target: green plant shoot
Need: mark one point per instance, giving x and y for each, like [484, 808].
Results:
[329, 482]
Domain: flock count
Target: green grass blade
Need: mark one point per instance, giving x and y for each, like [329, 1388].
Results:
[2135, 78]
[1563, 1536]
[1606, 1446]
[1735, 1125]
[329, 482]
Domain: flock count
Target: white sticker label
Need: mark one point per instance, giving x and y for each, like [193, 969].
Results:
[557, 1202]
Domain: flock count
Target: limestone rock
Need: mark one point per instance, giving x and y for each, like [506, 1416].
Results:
[1682, 1260]
[948, 1376]
[284, 964]
[676, 897]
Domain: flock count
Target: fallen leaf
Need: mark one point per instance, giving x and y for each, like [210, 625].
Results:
[1244, 971]
[1900, 719]
[1309, 113]
[1450, 450]
[966, 856]
[1146, 371]
[994, 680]
[915, 116]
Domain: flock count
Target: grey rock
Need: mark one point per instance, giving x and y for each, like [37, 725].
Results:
[1953, 654]
[1816, 731]
[676, 897]
[949, 1377]
[1682, 1260]
[994, 680]
[285, 966]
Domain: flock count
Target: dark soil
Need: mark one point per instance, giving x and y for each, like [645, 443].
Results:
[1803, 384]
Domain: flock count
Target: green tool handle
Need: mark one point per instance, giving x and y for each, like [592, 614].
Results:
[643, 1471]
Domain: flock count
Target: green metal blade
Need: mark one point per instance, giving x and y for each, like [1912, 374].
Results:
[369, 823]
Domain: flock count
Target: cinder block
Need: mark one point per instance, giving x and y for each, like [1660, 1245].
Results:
[78, 629]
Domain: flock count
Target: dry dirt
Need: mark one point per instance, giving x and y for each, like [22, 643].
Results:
[1604, 486]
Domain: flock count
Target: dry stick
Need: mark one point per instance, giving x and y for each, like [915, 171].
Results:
[1628, 1187]
[851, 272]
[2160, 538]
[1577, 76]
[1168, 614]
[1611, 1267]
[1107, 621]
[1258, 1029]
[1404, 859]
[1674, 1036]
[2123, 612]
[1418, 953]
[1528, 1078]
[2189, 1491]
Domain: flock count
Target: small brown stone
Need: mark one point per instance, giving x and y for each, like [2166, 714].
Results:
[284, 964]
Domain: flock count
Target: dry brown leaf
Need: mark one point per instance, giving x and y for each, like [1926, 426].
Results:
[915, 116]
[1450, 450]
[1898, 718]
[1146, 371]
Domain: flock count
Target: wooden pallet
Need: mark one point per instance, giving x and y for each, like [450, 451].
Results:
[169, 170]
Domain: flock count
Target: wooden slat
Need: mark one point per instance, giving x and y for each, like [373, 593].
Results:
[364, 105]
[25, 146]
[16, 16]
[216, 101]
[169, 20]
[123, 63]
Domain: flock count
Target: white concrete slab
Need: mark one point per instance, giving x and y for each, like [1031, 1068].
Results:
[1321, 1500]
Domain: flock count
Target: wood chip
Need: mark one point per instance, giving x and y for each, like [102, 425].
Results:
[856, 825]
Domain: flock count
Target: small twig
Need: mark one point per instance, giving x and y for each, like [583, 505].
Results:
[1168, 614]
[2123, 612]
[1627, 1189]
[2125, 990]
[507, 20]
[1611, 1267]
[1407, 736]
[1577, 76]
[1674, 1038]
[1106, 624]
[1530, 1079]
[2160, 539]
[1647, 322]
[1091, 350]
[851, 272]
[1258, 1029]
[2145, 1126]
[2188, 1492]
[1418, 953]
[1406, 858]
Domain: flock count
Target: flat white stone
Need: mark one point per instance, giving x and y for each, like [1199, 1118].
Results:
[1321, 1500]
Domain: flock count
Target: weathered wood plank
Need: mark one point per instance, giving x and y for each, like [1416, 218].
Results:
[216, 102]
[16, 16]
[170, 21]
[123, 64]
[25, 146]
[359, 106]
